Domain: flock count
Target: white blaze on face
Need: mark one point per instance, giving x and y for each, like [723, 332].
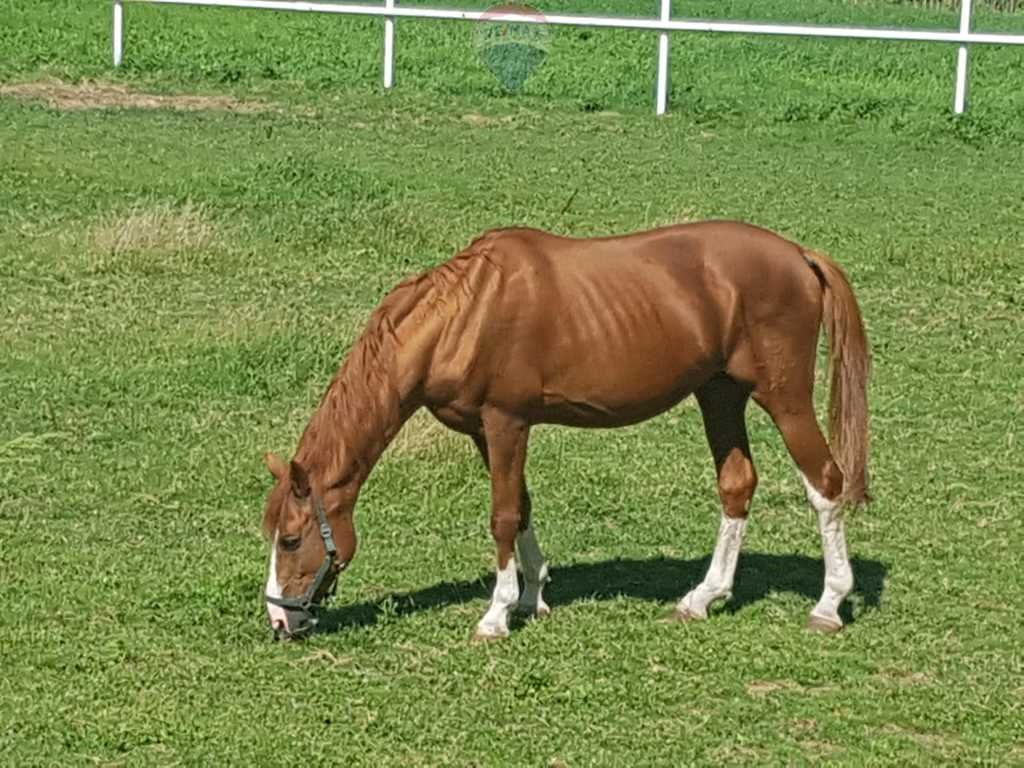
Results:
[278, 617]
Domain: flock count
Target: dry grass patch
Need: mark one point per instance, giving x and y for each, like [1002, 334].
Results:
[761, 688]
[902, 677]
[517, 119]
[738, 753]
[819, 749]
[425, 434]
[147, 238]
[158, 228]
[805, 733]
[803, 725]
[688, 214]
[96, 94]
[322, 657]
[483, 121]
[931, 741]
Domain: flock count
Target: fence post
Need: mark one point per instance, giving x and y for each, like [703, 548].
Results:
[960, 99]
[389, 47]
[118, 32]
[662, 99]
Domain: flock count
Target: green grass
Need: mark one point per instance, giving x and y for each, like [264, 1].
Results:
[176, 289]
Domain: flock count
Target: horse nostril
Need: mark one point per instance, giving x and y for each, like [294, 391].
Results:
[300, 624]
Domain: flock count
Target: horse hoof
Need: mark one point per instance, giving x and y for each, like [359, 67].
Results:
[479, 638]
[823, 626]
[680, 616]
[533, 612]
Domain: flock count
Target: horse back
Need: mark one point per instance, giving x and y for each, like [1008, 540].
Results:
[605, 331]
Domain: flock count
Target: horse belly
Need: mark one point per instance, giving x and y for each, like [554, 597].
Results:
[612, 382]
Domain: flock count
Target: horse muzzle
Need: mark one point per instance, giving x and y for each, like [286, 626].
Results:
[292, 623]
[294, 618]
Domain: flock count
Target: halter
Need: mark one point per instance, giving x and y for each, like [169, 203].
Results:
[326, 578]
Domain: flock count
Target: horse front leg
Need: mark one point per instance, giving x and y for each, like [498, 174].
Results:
[506, 440]
[532, 563]
[534, 567]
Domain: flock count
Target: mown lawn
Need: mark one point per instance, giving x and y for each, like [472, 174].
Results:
[177, 287]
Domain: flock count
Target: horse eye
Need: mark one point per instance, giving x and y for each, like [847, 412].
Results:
[291, 543]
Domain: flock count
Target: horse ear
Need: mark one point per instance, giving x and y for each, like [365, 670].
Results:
[300, 481]
[276, 466]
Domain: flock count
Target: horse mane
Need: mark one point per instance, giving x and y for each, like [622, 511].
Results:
[363, 398]
[362, 390]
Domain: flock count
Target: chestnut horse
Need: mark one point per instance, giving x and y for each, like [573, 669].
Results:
[525, 327]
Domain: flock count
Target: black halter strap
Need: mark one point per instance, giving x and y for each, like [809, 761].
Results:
[326, 578]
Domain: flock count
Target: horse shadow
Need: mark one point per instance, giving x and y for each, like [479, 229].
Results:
[660, 579]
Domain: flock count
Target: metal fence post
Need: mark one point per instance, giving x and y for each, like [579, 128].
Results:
[960, 99]
[118, 32]
[389, 46]
[662, 99]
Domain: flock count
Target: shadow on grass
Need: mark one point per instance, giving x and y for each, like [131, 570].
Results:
[657, 580]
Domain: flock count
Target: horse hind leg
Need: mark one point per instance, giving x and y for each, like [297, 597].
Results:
[723, 404]
[823, 481]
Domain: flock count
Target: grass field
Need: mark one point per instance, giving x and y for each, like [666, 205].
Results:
[178, 286]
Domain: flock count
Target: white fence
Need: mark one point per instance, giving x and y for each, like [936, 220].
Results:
[663, 25]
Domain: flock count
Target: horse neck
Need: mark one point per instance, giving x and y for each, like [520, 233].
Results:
[358, 416]
[378, 386]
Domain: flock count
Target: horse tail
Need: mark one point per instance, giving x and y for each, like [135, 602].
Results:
[849, 365]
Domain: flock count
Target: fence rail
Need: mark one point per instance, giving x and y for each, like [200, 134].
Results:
[664, 25]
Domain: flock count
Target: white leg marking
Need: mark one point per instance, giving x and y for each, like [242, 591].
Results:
[838, 574]
[278, 618]
[718, 581]
[506, 595]
[535, 574]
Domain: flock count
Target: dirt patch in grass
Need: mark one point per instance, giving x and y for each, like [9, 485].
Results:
[97, 94]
